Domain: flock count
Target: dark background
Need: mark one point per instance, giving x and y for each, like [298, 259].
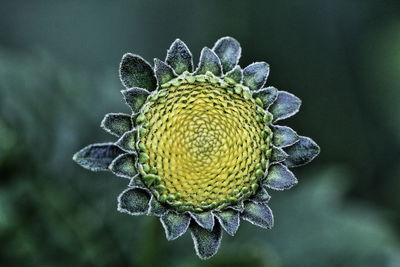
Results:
[58, 77]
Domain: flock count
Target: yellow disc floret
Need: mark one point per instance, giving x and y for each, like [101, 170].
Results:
[205, 144]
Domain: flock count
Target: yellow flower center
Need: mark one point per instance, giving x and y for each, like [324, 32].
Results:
[207, 144]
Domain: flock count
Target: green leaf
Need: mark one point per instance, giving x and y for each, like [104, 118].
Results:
[236, 74]
[204, 219]
[209, 61]
[258, 214]
[284, 136]
[206, 243]
[302, 152]
[228, 50]
[261, 196]
[175, 224]
[97, 157]
[277, 155]
[127, 141]
[179, 57]
[134, 201]
[238, 207]
[164, 73]
[255, 75]
[134, 71]
[136, 182]
[285, 106]
[156, 208]
[267, 95]
[116, 123]
[124, 166]
[229, 220]
[135, 97]
[279, 177]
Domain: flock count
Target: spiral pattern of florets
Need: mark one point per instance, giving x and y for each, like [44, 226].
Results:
[204, 145]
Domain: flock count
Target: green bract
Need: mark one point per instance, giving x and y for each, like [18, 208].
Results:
[201, 147]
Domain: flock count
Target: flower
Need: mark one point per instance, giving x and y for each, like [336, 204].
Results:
[202, 146]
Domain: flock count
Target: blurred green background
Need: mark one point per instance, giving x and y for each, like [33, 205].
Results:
[58, 78]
